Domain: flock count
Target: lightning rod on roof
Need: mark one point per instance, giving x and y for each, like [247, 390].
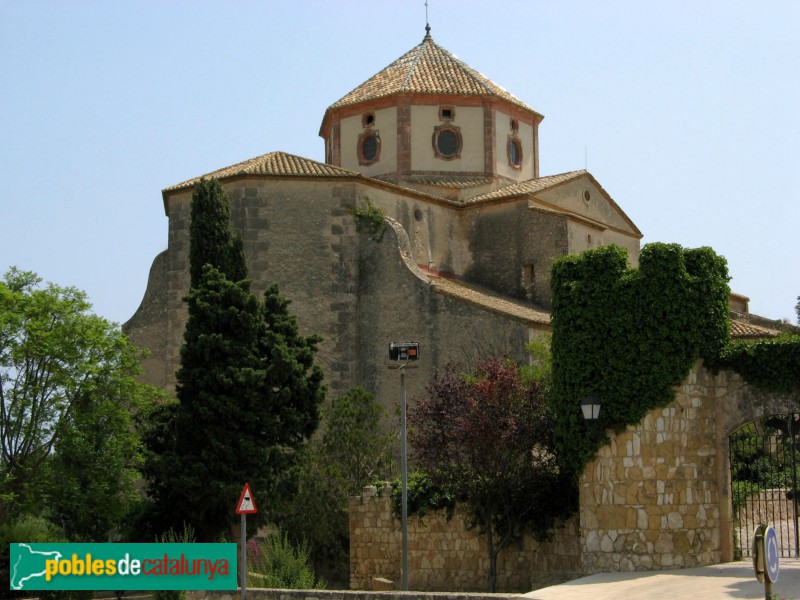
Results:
[427, 24]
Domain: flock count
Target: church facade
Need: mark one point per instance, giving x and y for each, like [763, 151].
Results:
[451, 160]
[459, 263]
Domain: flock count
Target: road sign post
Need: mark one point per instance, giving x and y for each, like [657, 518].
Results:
[246, 506]
[766, 557]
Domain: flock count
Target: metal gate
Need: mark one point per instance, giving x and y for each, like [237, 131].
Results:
[765, 469]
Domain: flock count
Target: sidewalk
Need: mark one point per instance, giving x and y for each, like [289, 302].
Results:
[729, 580]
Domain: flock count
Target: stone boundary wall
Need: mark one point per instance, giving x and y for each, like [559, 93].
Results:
[444, 556]
[263, 594]
[651, 498]
[658, 496]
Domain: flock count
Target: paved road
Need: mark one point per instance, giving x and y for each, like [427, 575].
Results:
[729, 580]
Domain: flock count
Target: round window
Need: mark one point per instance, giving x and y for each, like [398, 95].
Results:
[447, 143]
[369, 148]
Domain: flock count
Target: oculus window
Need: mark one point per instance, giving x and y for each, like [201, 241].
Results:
[369, 147]
[447, 142]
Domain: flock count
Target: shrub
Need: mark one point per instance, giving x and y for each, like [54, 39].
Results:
[277, 564]
[185, 536]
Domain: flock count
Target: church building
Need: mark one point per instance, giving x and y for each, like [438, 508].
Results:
[462, 262]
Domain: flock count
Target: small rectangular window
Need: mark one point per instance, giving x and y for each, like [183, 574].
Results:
[529, 281]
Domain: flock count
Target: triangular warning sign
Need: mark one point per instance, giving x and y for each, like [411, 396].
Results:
[247, 503]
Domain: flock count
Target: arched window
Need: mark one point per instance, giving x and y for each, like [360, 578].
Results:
[514, 152]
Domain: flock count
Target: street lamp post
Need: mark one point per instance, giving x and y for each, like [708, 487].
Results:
[404, 472]
[403, 351]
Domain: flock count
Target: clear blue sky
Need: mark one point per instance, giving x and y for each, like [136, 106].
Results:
[687, 110]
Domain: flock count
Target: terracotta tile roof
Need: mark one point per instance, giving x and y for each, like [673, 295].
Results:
[489, 301]
[531, 186]
[528, 187]
[427, 69]
[742, 330]
[537, 316]
[279, 164]
[447, 181]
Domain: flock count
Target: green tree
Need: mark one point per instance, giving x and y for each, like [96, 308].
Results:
[540, 368]
[212, 242]
[486, 440]
[353, 451]
[92, 474]
[59, 362]
[356, 440]
[248, 390]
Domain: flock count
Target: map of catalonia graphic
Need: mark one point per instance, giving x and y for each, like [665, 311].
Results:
[29, 564]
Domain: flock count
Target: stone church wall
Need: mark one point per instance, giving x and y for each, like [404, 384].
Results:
[298, 234]
[444, 556]
[504, 239]
[396, 302]
[148, 327]
[358, 293]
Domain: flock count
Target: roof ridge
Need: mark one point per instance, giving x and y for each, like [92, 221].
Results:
[415, 62]
[275, 163]
[529, 185]
[476, 76]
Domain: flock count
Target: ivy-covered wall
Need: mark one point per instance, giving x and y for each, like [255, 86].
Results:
[653, 473]
[629, 336]
[772, 365]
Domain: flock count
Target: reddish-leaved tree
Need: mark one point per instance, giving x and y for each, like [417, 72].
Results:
[487, 439]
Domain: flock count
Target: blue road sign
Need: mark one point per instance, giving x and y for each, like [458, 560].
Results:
[771, 554]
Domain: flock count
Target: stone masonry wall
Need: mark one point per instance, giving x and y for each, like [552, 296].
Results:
[658, 496]
[443, 555]
[650, 500]
[358, 293]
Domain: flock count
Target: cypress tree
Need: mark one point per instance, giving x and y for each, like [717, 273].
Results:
[292, 383]
[218, 389]
[248, 390]
[211, 240]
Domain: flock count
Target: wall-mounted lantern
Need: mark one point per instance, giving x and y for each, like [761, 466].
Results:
[590, 406]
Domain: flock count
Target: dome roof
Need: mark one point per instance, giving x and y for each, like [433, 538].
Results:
[426, 69]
